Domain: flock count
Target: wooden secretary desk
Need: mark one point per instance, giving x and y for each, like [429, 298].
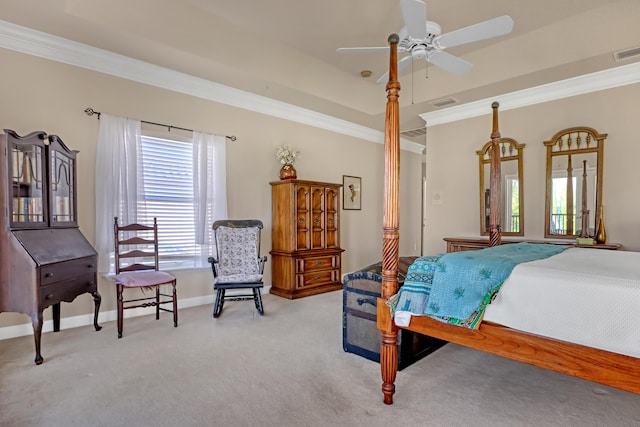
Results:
[305, 238]
[44, 258]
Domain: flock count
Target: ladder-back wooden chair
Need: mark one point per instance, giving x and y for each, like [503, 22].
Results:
[237, 264]
[136, 262]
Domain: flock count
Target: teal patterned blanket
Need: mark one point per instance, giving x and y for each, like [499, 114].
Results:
[456, 288]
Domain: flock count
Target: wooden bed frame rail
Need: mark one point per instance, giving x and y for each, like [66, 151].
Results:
[612, 369]
[596, 365]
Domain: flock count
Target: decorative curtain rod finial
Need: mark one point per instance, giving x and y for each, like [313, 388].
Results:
[90, 112]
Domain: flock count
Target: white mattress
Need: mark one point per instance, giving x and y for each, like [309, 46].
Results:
[585, 296]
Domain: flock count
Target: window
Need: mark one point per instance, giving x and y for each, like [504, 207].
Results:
[182, 182]
[168, 194]
[512, 208]
[559, 204]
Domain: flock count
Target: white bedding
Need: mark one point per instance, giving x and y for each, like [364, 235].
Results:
[585, 296]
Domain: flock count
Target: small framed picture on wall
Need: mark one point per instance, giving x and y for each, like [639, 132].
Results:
[351, 192]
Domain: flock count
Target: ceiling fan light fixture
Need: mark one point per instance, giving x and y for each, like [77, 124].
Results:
[420, 52]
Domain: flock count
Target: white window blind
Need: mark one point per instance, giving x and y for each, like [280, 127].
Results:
[167, 174]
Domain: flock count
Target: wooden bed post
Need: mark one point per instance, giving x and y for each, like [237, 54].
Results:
[569, 222]
[584, 228]
[389, 347]
[494, 202]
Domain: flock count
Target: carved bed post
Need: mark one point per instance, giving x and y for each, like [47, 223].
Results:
[570, 227]
[494, 202]
[389, 348]
[584, 228]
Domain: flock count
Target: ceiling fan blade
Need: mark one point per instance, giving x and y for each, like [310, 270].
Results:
[401, 64]
[449, 63]
[414, 13]
[480, 31]
[362, 49]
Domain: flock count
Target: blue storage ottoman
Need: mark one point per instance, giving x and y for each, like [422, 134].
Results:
[360, 334]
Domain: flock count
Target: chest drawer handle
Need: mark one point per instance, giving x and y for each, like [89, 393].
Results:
[90, 265]
[316, 221]
[48, 275]
[318, 277]
[361, 301]
[318, 263]
[301, 221]
[49, 296]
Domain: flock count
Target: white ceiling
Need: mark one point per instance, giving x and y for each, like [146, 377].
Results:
[285, 49]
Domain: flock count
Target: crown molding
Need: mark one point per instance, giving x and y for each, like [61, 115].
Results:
[44, 45]
[587, 83]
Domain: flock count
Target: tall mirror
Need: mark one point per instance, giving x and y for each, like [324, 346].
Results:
[511, 183]
[574, 183]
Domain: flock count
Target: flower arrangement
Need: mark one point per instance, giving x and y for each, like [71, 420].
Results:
[286, 155]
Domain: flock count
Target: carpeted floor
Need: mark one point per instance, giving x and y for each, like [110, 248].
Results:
[286, 368]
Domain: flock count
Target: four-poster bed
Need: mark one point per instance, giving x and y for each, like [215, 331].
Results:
[589, 363]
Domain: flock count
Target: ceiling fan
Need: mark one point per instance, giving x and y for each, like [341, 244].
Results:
[423, 40]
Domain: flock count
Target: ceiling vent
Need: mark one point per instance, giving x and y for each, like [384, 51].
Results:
[443, 102]
[414, 132]
[626, 54]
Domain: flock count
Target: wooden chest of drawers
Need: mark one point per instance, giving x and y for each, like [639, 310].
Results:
[459, 244]
[305, 253]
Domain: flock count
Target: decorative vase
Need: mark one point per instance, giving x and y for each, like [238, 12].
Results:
[287, 171]
[601, 232]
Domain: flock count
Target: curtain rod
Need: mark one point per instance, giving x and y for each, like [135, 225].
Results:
[90, 112]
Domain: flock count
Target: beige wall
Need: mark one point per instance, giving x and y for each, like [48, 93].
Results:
[39, 94]
[452, 164]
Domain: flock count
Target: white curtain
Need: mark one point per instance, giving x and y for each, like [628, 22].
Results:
[209, 183]
[117, 188]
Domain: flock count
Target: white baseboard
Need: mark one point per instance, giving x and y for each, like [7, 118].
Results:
[106, 316]
[87, 319]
